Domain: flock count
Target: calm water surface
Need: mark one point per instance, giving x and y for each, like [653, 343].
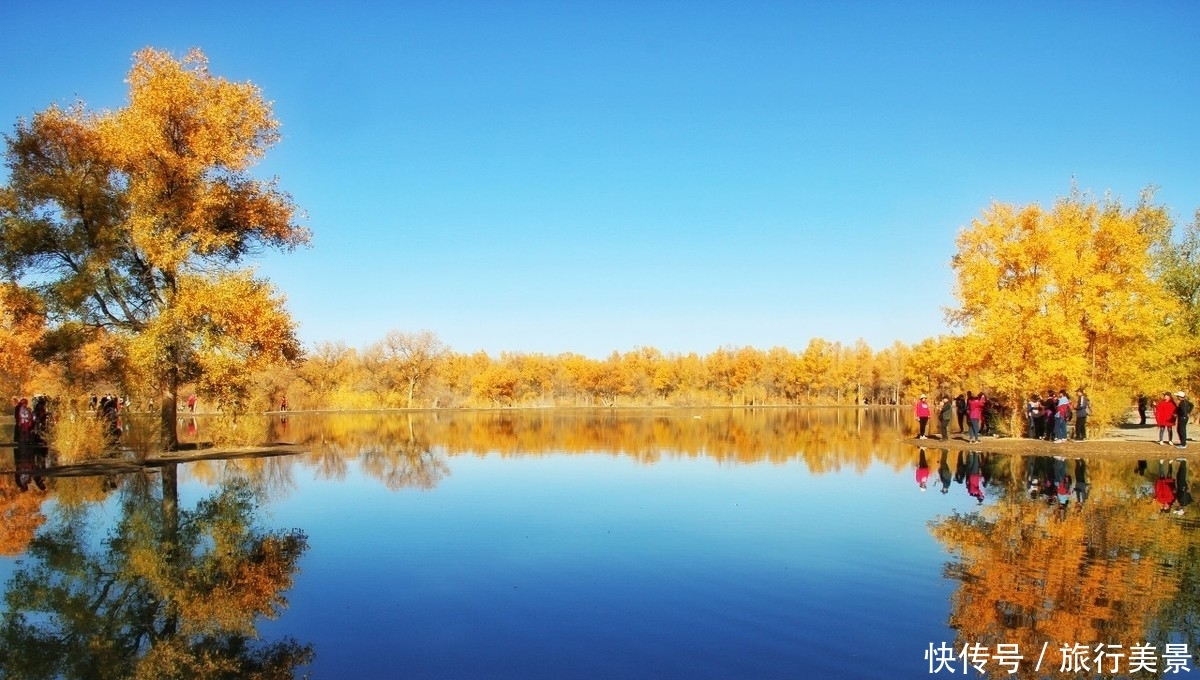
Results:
[697, 544]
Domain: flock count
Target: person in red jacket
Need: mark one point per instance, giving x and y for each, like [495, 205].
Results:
[921, 410]
[1164, 418]
[975, 415]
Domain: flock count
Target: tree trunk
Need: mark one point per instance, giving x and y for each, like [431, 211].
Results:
[168, 410]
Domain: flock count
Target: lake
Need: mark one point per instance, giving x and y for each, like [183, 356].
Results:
[764, 543]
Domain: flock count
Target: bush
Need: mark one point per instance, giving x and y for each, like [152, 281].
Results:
[78, 437]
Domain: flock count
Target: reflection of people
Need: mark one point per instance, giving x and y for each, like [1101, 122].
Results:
[944, 471]
[1183, 492]
[28, 460]
[1164, 418]
[921, 410]
[1062, 482]
[1082, 487]
[922, 470]
[1164, 487]
[974, 476]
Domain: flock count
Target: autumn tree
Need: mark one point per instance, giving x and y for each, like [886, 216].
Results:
[1061, 297]
[135, 221]
[22, 328]
[1177, 268]
[413, 357]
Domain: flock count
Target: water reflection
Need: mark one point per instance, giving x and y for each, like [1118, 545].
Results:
[1110, 573]
[166, 592]
[1043, 551]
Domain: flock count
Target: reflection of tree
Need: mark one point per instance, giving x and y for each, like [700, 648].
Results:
[169, 593]
[409, 463]
[1031, 573]
[824, 439]
[20, 515]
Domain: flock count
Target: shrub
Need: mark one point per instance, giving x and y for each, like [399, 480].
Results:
[78, 437]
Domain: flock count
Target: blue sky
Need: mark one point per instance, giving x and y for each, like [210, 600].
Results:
[589, 177]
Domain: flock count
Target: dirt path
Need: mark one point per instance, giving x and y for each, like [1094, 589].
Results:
[1129, 440]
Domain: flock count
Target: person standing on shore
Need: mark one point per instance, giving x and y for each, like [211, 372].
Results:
[960, 408]
[1061, 411]
[1033, 416]
[1083, 408]
[945, 411]
[1049, 408]
[1183, 412]
[1164, 418]
[974, 415]
[921, 410]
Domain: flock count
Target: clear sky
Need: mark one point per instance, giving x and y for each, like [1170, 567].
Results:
[597, 176]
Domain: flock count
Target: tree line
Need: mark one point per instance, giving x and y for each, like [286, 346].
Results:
[125, 236]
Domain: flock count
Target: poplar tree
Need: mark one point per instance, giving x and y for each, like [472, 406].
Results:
[135, 223]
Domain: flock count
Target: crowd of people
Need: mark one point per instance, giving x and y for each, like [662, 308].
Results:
[1047, 417]
[971, 409]
[30, 419]
[1171, 415]
[32, 416]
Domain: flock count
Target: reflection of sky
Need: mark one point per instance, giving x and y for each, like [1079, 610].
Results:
[598, 566]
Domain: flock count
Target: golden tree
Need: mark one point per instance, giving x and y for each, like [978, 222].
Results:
[1060, 297]
[135, 220]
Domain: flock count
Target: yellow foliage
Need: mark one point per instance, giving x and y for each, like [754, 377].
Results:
[78, 437]
[1062, 297]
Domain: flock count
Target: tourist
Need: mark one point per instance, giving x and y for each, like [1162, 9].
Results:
[974, 415]
[1164, 418]
[1033, 416]
[1083, 408]
[1183, 413]
[960, 408]
[944, 415]
[1049, 408]
[23, 424]
[1062, 413]
[921, 409]
[1143, 404]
